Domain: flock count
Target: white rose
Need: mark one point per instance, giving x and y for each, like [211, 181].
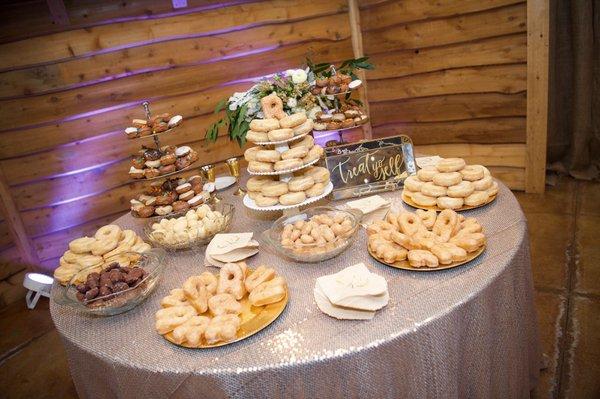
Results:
[299, 76]
[289, 72]
[292, 102]
[232, 106]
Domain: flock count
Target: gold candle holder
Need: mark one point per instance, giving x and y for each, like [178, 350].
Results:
[208, 171]
[234, 169]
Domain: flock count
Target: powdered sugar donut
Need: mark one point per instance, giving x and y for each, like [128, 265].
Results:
[264, 125]
[461, 190]
[433, 190]
[447, 179]
[450, 164]
[483, 184]
[472, 172]
[477, 198]
[413, 183]
[427, 173]
[450, 202]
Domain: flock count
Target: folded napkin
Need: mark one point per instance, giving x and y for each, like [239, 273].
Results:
[230, 248]
[353, 293]
[374, 208]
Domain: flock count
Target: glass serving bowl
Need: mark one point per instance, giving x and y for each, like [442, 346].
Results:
[314, 252]
[182, 241]
[151, 261]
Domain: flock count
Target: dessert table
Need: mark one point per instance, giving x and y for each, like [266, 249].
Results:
[465, 332]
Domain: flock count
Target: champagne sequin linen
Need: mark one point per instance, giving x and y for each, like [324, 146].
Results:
[465, 332]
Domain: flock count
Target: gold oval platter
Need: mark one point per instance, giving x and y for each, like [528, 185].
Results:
[405, 266]
[436, 208]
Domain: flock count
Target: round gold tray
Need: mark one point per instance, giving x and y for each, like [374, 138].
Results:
[406, 266]
[254, 319]
[438, 209]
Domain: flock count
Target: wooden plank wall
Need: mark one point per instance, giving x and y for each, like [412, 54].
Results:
[453, 76]
[67, 91]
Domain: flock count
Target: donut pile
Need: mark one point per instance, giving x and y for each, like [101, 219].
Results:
[321, 233]
[346, 117]
[156, 124]
[339, 83]
[451, 184]
[105, 247]
[172, 195]
[307, 183]
[425, 238]
[268, 159]
[205, 311]
[152, 162]
[196, 225]
[273, 129]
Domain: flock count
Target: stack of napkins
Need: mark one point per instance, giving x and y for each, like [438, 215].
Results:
[373, 208]
[230, 248]
[353, 293]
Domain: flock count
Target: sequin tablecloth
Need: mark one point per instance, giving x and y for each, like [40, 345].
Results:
[468, 332]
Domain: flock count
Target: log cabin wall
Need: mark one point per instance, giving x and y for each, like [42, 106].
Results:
[68, 90]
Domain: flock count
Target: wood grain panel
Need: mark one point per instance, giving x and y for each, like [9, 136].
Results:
[159, 56]
[482, 79]
[513, 177]
[448, 108]
[490, 51]
[80, 42]
[511, 155]
[496, 22]
[477, 131]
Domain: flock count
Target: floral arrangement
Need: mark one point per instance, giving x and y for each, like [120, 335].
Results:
[293, 86]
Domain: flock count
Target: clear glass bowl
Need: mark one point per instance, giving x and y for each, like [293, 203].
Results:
[175, 243]
[152, 262]
[310, 253]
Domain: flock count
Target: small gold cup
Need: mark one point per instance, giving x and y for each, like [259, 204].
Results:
[234, 169]
[208, 171]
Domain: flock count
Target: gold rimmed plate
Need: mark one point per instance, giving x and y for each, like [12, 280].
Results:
[254, 319]
[404, 265]
[436, 208]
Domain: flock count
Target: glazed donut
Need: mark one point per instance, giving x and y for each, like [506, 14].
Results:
[493, 190]
[413, 183]
[319, 173]
[82, 245]
[255, 183]
[427, 217]
[191, 331]
[315, 152]
[175, 298]
[109, 231]
[168, 319]
[268, 292]
[307, 141]
[263, 125]
[316, 190]
[427, 173]
[477, 198]
[259, 276]
[447, 179]
[268, 156]
[86, 261]
[293, 120]
[483, 184]
[250, 153]
[460, 190]
[450, 164]
[280, 134]
[180, 206]
[433, 190]
[297, 152]
[423, 200]
[304, 128]
[104, 245]
[231, 281]
[472, 172]
[444, 224]
[292, 198]
[272, 106]
[274, 188]
[222, 328]
[409, 223]
[301, 183]
[263, 200]
[450, 202]
[257, 137]
[257, 166]
[70, 257]
[196, 200]
[182, 188]
[288, 164]
[404, 240]
[420, 258]
[129, 238]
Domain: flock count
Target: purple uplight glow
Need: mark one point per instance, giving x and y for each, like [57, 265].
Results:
[322, 138]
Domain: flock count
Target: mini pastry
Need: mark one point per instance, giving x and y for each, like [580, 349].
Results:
[166, 198]
[145, 211]
[182, 163]
[163, 210]
[168, 149]
[145, 131]
[182, 151]
[333, 125]
[319, 126]
[160, 127]
[153, 164]
[151, 173]
[346, 123]
[196, 179]
[188, 195]
[139, 123]
[132, 132]
[168, 159]
[152, 154]
[182, 188]
[138, 162]
[338, 117]
[196, 200]
[175, 121]
[166, 169]
[192, 156]
[180, 206]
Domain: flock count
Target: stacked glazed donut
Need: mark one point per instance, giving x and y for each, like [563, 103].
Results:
[306, 183]
[106, 246]
[152, 162]
[206, 309]
[269, 159]
[451, 184]
[425, 238]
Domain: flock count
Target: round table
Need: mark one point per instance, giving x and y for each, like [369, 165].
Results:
[465, 332]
